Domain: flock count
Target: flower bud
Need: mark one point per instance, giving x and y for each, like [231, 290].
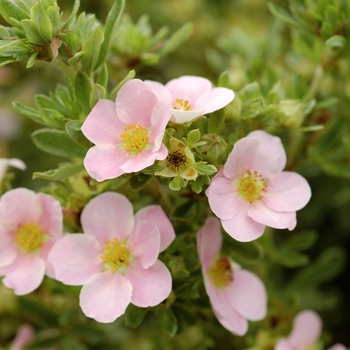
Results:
[214, 149]
[292, 115]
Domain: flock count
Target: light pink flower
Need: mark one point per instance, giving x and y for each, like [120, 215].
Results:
[236, 295]
[116, 258]
[24, 335]
[251, 191]
[15, 162]
[127, 134]
[30, 223]
[307, 327]
[191, 97]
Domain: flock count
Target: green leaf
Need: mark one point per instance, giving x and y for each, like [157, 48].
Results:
[224, 79]
[83, 88]
[134, 316]
[103, 77]
[300, 241]
[177, 183]
[186, 292]
[42, 22]
[71, 342]
[292, 259]
[204, 169]
[336, 42]
[61, 173]
[283, 15]
[128, 77]
[177, 267]
[28, 111]
[57, 142]
[71, 17]
[184, 212]
[54, 119]
[245, 252]
[12, 13]
[31, 60]
[193, 137]
[196, 187]
[112, 21]
[32, 33]
[98, 92]
[73, 129]
[169, 323]
[138, 181]
[215, 121]
[176, 39]
[91, 49]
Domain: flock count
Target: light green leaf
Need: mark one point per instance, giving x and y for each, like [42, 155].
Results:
[83, 88]
[61, 173]
[28, 111]
[42, 22]
[98, 92]
[12, 13]
[32, 33]
[73, 129]
[91, 49]
[193, 137]
[54, 119]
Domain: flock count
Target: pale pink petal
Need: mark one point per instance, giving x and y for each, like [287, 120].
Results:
[20, 206]
[307, 326]
[233, 322]
[156, 215]
[51, 218]
[44, 254]
[284, 344]
[103, 162]
[241, 227]
[247, 295]
[338, 347]
[75, 258]
[144, 243]
[215, 99]
[24, 335]
[287, 191]
[260, 213]
[160, 90]
[160, 116]
[150, 286]
[8, 247]
[107, 216]
[16, 163]
[143, 159]
[135, 102]
[25, 274]
[223, 197]
[272, 155]
[102, 125]
[209, 240]
[105, 296]
[181, 117]
[188, 88]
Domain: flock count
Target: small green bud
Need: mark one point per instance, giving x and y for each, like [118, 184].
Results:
[292, 115]
[214, 148]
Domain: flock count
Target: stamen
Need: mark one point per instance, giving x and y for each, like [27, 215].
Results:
[182, 105]
[221, 273]
[251, 186]
[177, 160]
[29, 237]
[115, 255]
[135, 139]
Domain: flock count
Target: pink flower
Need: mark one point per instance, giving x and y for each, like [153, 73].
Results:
[251, 191]
[307, 327]
[30, 223]
[191, 97]
[116, 259]
[24, 335]
[4, 163]
[127, 134]
[236, 295]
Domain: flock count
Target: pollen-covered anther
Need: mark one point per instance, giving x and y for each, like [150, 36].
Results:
[182, 105]
[221, 273]
[135, 138]
[115, 255]
[251, 186]
[177, 160]
[29, 237]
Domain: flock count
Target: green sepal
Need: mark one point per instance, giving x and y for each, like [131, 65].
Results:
[54, 119]
[42, 22]
[61, 173]
[177, 183]
[134, 316]
[196, 187]
[56, 142]
[204, 169]
[73, 129]
[91, 49]
[83, 88]
[98, 92]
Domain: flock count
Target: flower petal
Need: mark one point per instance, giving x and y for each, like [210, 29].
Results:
[105, 296]
[142, 160]
[223, 197]
[51, 218]
[215, 99]
[75, 258]
[306, 330]
[156, 215]
[180, 117]
[247, 295]
[8, 247]
[144, 243]
[287, 191]
[160, 90]
[102, 125]
[103, 162]
[107, 216]
[259, 212]
[25, 274]
[24, 335]
[284, 344]
[150, 286]
[337, 347]
[209, 241]
[241, 227]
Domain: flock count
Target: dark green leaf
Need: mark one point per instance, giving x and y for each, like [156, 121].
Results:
[134, 316]
[83, 88]
[73, 129]
[54, 119]
[169, 323]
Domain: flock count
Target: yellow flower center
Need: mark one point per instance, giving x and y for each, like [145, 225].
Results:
[177, 161]
[29, 237]
[135, 138]
[115, 255]
[251, 186]
[182, 105]
[221, 273]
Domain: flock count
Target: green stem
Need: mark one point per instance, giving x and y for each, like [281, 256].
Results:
[315, 83]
